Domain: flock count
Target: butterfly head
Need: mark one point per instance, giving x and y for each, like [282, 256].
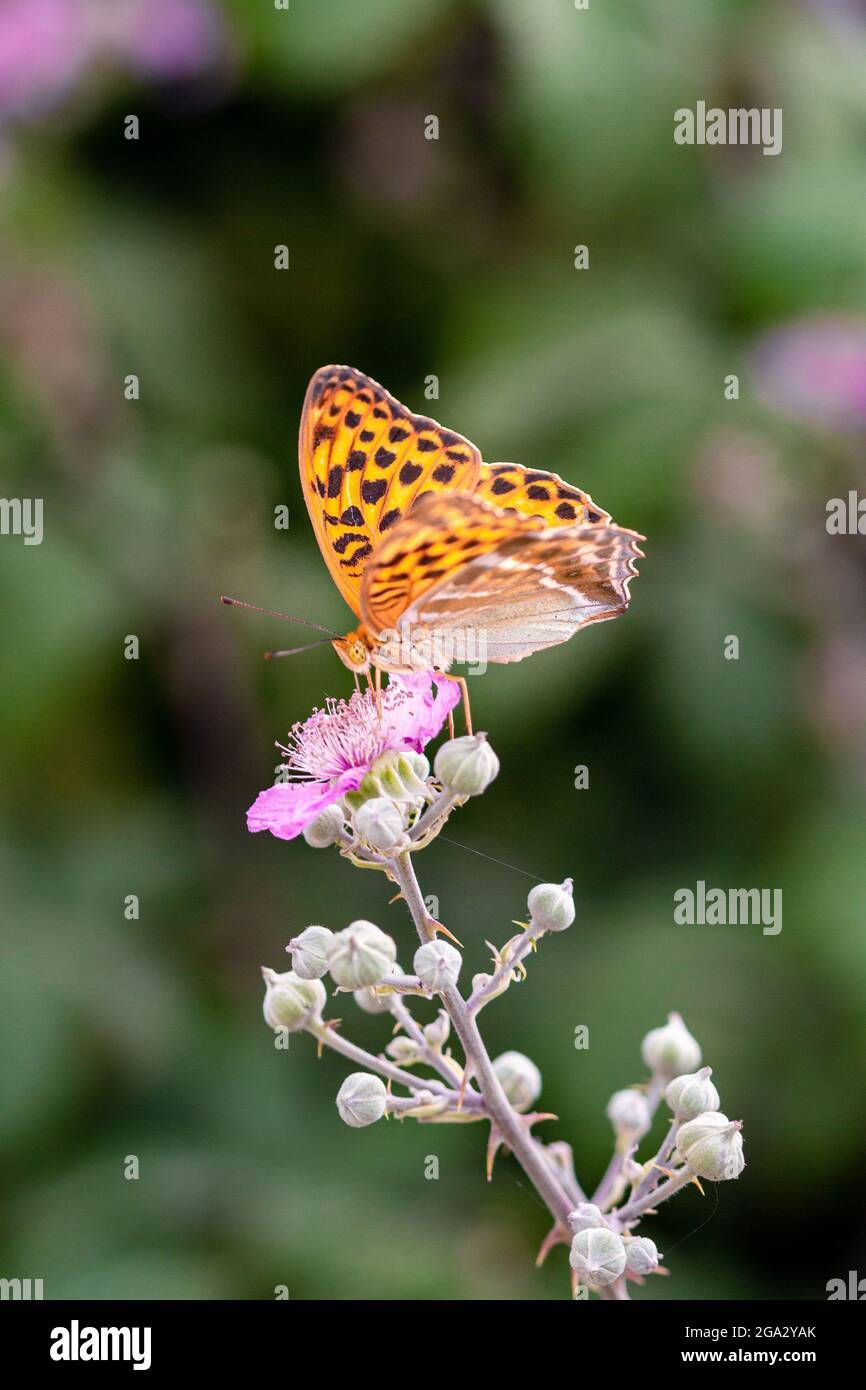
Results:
[354, 650]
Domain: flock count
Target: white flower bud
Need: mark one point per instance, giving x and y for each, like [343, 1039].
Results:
[584, 1217]
[519, 1078]
[641, 1255]
[309, 952]
[629, 1113]
[466, 765]
[692, 1094]
[378, 823]
[404, 1051]
[597, 1256]
[361, 955]
[712, 1146]
[326, 828]
[371, 1002]
[437, 965]
[289, 1001]
[362, 1099]
[551, 906]
[437, 1033]
[671, 1050]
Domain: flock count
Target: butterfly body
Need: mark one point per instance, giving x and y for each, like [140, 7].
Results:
[442, 557]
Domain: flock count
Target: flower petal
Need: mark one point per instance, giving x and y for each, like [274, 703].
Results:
[288, 807]
[421, 716]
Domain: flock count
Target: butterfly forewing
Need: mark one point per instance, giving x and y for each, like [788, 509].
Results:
[365, 460]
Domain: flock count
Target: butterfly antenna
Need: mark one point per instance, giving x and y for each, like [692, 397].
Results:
[274, 613]
[293, 651]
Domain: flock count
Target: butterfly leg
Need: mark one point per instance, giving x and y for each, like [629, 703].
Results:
[467, 713]
[378, 689]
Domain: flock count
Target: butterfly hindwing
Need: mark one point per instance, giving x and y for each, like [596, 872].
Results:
[457, 564]
[535, 492]
[365, 460]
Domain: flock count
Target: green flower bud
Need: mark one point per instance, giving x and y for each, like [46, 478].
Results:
[326, 829]
[692, 1094]
[361, 955]
[437, 965]
[641, 1255]
[397, 775]
[585, 1217]
[466, 765]
[519, 1078]
[291, 1002]
[419, 765]
[362, 1099]
[379, 823]
[671, 1050]
[551, 906]
[597, 1256]
[712, 1146]
[629, 1113]
[309, 952]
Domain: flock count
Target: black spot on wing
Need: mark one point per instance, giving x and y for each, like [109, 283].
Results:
[346, 540]
[360, 554]
[321, 433]
[373, 492]
[444, 473]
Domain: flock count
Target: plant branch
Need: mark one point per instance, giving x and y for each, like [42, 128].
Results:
[528, 1152]
[330, 1038]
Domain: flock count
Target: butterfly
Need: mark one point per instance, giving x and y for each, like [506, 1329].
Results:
[438, 553]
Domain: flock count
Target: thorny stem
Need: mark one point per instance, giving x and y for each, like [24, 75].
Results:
[607, 1186]
[521, 948]
[637, 1208]
[329, 1038]
[433, 1058]
[443, 803]
[528, 1152]
[653, 1174]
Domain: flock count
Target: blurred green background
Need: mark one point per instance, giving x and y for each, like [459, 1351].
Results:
[411, 257]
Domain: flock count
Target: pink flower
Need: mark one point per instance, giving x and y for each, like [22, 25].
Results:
[331, 752]
[815, 370]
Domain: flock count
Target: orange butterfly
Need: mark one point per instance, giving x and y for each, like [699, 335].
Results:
[438, 553]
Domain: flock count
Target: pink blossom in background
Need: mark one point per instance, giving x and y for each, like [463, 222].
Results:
[45, 46]
[49, 47]
[815, 370]
[331, 752]
[172, 39]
